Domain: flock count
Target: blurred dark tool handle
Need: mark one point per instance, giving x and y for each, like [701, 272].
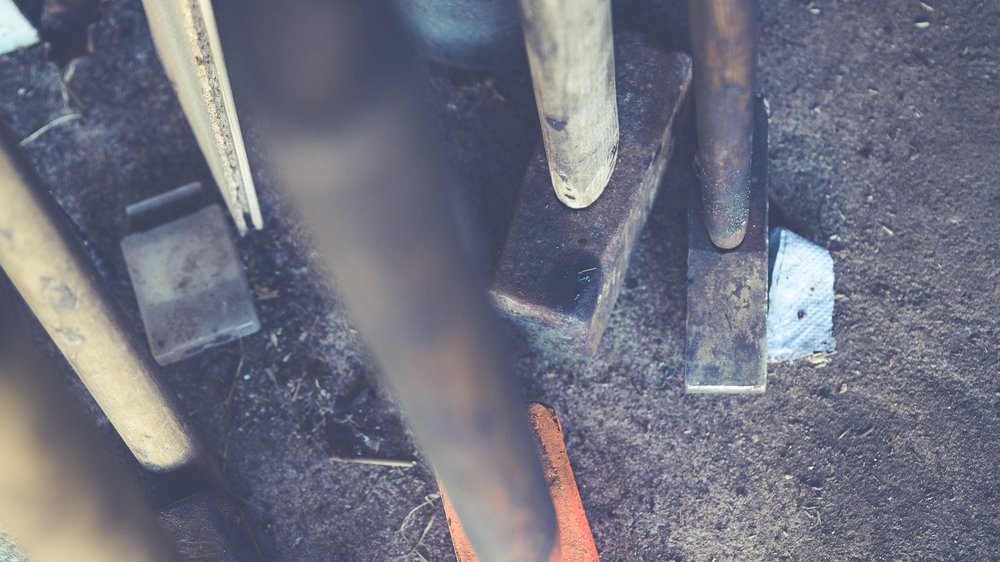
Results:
[333, 86]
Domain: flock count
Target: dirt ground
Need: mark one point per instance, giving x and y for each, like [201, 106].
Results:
[885, 138]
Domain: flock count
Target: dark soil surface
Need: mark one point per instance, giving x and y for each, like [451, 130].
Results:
[885, 143]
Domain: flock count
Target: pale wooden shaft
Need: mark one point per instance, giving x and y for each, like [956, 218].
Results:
[571, 54]
[187, 42]
[60, 497]
[50, 270]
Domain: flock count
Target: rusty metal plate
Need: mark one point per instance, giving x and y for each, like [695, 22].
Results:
[561, 269]
[726, 349]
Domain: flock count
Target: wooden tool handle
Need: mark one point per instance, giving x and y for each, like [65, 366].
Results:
[572, 62]
[60, 496]
[187, 42]
[50, 269]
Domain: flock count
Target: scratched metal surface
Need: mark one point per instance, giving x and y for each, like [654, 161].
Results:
[561, 269]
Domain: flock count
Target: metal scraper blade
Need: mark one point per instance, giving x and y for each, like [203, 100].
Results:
[726, 349]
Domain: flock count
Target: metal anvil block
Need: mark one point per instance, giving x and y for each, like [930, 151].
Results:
[189, 282]
[561, 269]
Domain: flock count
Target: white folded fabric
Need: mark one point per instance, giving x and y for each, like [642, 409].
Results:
[800, 298]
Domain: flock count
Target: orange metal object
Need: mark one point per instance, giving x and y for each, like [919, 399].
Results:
[576, 542]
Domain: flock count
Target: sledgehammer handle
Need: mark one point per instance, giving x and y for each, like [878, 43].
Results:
[572, 62]
[51, 270]
[724, 44]
[60, 495]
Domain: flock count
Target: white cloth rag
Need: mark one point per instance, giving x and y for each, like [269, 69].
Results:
[800, 298]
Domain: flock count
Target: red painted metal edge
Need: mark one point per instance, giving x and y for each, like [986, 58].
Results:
[576, 542]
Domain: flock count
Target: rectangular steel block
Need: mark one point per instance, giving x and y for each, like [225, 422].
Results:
[561, 269]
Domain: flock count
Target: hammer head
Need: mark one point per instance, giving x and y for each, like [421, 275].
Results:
[561, 269]
[209, 526]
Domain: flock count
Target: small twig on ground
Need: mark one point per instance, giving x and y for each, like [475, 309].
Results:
[423, 535]
[67, 92]
[408, 520]
[48, 127]
[236, 377]
[396, 463]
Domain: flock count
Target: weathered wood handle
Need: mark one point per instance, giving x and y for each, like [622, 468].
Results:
[571, 54]
[50, 269]
[60, 495]
[187, 41]
[724, 45]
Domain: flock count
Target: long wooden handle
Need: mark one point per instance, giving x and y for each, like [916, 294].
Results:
[60, 496]
[187, 42]
[50, 269]
[724, 44]
[571, 54]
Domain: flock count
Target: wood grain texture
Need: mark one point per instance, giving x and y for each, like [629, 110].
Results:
[187, 42]
[572, 61]
[49, 267]
[724, 48]
[61, 496]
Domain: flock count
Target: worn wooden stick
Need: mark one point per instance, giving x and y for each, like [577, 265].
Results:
[724, 45]
[49, 267]
[362, 167]
[60, 496]
[572, 62]
[187, 42]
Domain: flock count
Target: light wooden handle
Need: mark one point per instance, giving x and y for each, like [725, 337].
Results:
[187, 42]
[60, 496]
[571, 54]
[50, 269]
